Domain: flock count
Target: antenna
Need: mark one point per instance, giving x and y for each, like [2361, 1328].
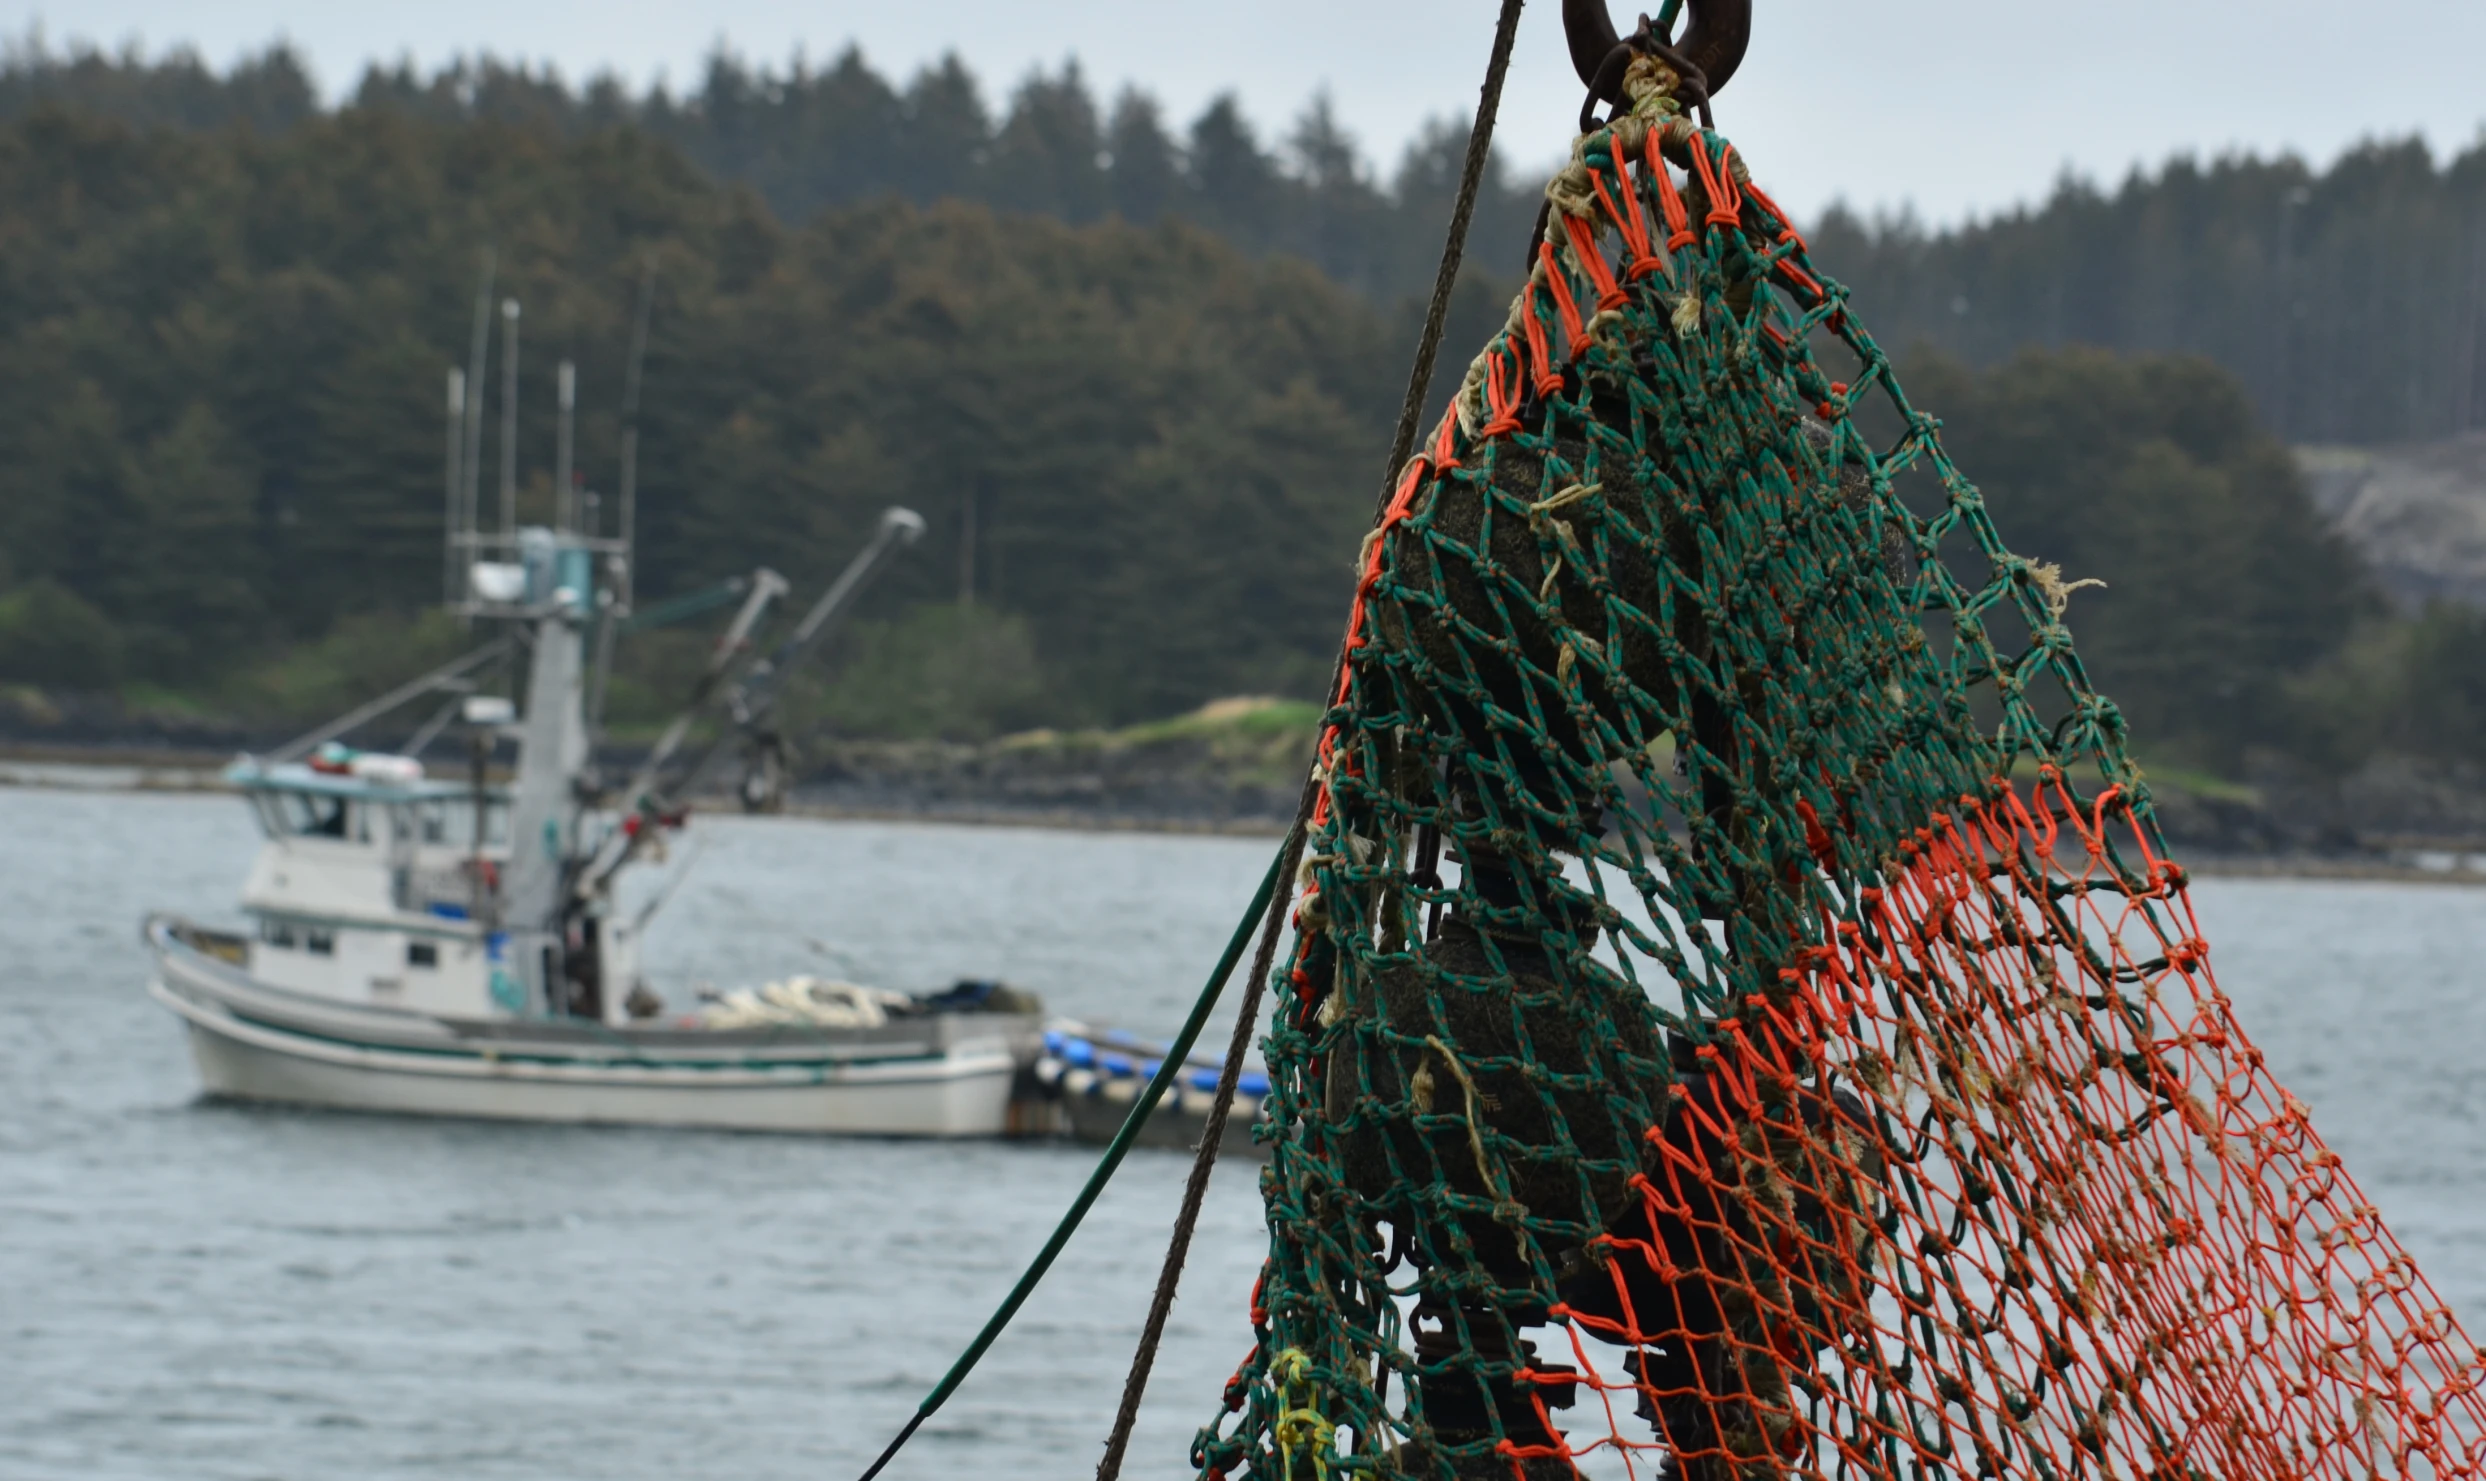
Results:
[565, 497]
[462, 529]
[509, 418]
[628, 514]
[626, 566]
[456, 461]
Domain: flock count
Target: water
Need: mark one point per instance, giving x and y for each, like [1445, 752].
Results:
[204, 1291]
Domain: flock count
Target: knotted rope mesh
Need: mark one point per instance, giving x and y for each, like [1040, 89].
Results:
[1742, 1020]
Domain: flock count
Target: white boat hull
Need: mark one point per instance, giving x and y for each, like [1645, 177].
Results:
[251, 1043]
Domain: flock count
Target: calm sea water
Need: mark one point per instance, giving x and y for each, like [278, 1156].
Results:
[196, 1290]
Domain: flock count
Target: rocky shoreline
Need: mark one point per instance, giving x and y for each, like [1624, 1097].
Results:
[2400, 823]
[1236, 767]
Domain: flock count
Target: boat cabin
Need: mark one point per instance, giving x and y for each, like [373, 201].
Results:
[380, 886]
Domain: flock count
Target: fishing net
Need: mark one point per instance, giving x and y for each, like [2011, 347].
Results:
[1742, 1020]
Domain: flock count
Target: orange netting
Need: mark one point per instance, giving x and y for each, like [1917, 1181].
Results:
[1743, 1022]
[2059, 1183]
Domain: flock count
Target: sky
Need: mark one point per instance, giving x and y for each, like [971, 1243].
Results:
[1951, 108]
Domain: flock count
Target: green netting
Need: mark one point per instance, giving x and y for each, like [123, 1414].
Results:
[1731, 911]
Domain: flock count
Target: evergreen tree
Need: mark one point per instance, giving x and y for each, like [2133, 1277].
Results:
[1146, 174]
[944, 146]
[1050, 155]
[1234, 184]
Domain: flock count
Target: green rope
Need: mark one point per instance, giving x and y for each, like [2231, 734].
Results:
[1167, 1069]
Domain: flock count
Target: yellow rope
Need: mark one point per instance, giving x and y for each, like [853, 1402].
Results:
[1299, 1424]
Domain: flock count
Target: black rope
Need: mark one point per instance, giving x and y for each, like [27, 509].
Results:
[1479, 145]
[1411, 411]
[899, 1443]
[1196, 1189]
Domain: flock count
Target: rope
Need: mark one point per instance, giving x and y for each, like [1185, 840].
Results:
[1195, 1189]
[1167, 1069]
[1472, 174]
[1419, 381]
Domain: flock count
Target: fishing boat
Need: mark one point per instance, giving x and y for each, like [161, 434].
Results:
[451, 944]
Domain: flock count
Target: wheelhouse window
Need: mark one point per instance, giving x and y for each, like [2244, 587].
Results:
[422, 954]
[306, 815]
[319, 942]
[279, 933]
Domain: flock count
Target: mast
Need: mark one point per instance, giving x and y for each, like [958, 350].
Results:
[462, 528]
[565, 497]
[628, 514]
[552, 753]
[449, 564]
[509, 419]
[625, 568]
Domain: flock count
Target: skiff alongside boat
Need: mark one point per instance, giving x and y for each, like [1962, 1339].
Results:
[1088, 1079]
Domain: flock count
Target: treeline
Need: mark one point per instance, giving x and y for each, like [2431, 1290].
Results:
[811, 139]
[221, 363]
[2351, 301]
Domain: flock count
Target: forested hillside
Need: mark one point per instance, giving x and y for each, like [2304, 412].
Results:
[223, 337]
[221, 359]
[810, 139]
[2351, 300]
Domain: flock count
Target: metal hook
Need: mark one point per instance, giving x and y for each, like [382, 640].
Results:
[1712, 48]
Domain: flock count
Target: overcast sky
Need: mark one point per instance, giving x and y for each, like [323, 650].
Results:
[1954, 106]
